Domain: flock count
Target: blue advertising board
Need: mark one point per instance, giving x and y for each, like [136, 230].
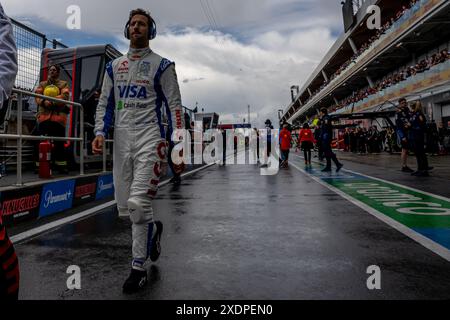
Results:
[105, 187]
[56, 197]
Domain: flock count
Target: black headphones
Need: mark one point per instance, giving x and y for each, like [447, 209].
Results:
[151, 29]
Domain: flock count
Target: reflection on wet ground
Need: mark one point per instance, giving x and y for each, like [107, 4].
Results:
[231, 233]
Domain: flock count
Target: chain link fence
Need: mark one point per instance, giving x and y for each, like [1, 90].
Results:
[30, 44]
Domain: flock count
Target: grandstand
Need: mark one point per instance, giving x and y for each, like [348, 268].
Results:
[370, 70]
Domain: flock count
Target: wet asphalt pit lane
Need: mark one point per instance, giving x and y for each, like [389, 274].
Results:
[235, 234]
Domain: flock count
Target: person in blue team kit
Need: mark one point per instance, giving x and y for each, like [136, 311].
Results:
[403, 125]
[266, 155]
[417, 137]
[326, 136]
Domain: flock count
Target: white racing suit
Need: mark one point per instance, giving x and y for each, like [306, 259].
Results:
[8, 57]
[141, 93]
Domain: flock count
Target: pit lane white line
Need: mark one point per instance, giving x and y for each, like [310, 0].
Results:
[422, 240]
[55, 224]
[27, 235]
[386, 181]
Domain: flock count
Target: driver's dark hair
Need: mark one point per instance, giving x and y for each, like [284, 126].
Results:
[324, 110]
[142, 12]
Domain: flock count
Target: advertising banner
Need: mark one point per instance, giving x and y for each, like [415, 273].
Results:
[105, 187]
[85, 190]
[17, 207]
[56, 197]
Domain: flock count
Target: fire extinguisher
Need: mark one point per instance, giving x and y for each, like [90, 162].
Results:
[45, 171]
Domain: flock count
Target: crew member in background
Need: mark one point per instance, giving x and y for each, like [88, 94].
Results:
[9, 265]
[285, 145]
[256, 152]
[137, 89]
[317, 133]
[347, 140]
[326, 137]
[224, 147]
[306, 142]
[52, 117]
[402, 122]
[417, 133]
[266, 155]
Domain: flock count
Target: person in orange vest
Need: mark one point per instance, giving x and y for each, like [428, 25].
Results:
[306, 141]
[52, 117]
[285, 145]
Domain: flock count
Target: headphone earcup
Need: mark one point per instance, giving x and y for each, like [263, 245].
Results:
[152, 31]
[126, 31]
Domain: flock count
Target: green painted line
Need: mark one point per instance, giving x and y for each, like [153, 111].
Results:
[408, 210]
[413, 209]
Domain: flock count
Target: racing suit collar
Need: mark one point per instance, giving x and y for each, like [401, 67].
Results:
[137, 54]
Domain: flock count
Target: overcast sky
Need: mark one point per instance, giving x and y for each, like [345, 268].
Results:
[250, 53]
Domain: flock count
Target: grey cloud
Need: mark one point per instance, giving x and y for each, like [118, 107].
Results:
[192, 80]
[239, 74]
[261, 49]
[248, 17]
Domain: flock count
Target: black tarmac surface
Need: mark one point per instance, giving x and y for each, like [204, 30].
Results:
[230, 233]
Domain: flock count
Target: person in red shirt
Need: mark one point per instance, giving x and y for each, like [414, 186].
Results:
[285, 145]
[306, 141]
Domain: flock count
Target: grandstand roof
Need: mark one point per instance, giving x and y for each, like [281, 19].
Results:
[422, 36]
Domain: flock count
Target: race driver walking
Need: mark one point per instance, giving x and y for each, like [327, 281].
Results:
[140, 91]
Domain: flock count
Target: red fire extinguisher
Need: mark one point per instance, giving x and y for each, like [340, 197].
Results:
[45, 149]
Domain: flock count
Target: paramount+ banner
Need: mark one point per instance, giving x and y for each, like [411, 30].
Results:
[17, 207]
[32, 203]
[56, 197]
[105, 187]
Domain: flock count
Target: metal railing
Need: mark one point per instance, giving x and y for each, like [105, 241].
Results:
[19, 137]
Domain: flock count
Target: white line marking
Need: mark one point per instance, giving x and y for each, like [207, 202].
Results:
[389, 182]
[424, 241]
[401, 186]
[79, 216]
[55, 224]
[191, 172]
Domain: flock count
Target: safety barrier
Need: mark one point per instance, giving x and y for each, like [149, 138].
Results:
[53, 197]
[49, 197]
[19, 137]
